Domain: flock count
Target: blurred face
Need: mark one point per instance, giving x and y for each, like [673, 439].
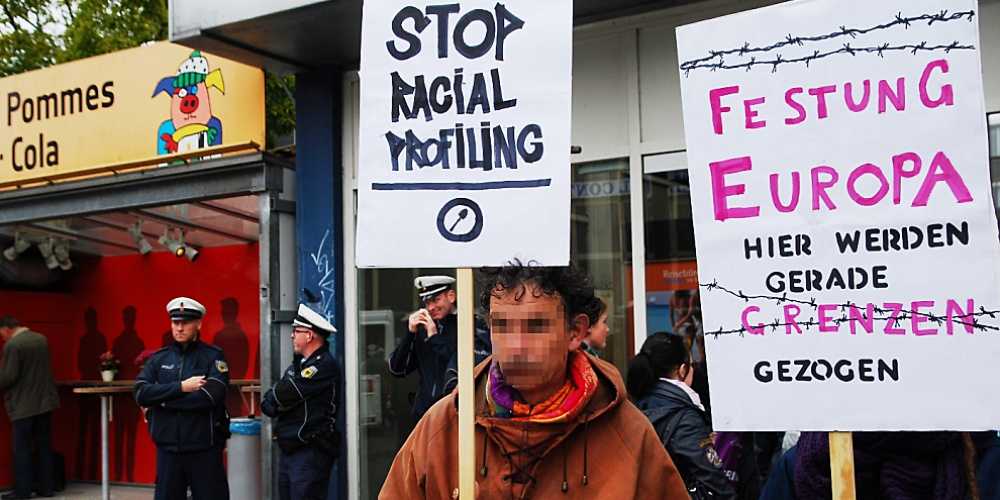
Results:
[185, 330]
[301, 337]
[6, 333]
[531, 337]
[441, 305]
[598, 337]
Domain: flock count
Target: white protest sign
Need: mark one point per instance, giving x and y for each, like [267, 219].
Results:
[465, 133]
[846, 234]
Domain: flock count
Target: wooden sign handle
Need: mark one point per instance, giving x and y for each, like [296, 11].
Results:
[842, 466]
[466, 389]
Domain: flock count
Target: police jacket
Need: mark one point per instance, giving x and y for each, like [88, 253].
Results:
[482, 348]
[434, 359]
[683, 428]
[185, 421]
[304, 403]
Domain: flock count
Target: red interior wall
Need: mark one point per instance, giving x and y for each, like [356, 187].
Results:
[118, 304]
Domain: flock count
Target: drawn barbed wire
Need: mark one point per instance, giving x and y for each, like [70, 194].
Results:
[716, 58]
[880, 314]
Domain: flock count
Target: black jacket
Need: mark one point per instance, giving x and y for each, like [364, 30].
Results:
[185, 421]
[304, 403]
[435, 360]
[683, 429]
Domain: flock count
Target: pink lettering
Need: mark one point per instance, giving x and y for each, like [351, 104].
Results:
[947, 94]
[897, 97]
[917, 318]
[867, 320]
[898, 173]
[791, 318]
[750, 113]
[890, 324]
[852, 181]
[825, 321]
[799, 109]
[820, 94]
[721, 191]
[819, 187]
[849, 96]
[715, 99]
[963, 317]
[942, 171]
[757, 329]
[776, 199]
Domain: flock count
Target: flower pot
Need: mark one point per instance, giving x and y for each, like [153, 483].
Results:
[107, 375]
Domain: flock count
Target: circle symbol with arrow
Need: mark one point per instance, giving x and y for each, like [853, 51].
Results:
[460, 220]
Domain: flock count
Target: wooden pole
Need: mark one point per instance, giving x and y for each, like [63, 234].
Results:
[466, 387]
[842, 465]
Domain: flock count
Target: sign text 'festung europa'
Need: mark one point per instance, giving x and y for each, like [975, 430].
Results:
[847, 240]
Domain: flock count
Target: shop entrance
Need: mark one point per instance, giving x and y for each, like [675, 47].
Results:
[91, 264]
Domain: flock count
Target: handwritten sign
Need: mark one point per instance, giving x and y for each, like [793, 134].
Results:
[465, 122]
[847, 243]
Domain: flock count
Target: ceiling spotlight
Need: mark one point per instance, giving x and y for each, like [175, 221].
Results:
[191, 252]
[135, 230]
[174, 245]
[61, 252]
[20, 245]
[46, 249]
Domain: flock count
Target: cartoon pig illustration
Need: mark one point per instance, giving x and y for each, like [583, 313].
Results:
[191, 125]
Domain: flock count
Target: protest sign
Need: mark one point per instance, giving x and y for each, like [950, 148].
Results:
[464, 135]
[846, 234]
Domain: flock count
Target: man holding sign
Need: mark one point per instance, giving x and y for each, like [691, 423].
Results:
[551, 422]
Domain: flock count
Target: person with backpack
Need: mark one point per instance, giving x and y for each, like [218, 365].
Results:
[659, 381]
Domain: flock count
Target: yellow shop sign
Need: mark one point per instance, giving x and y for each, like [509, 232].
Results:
[126, 106]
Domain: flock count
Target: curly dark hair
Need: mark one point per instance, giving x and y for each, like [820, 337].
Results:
[570, 283]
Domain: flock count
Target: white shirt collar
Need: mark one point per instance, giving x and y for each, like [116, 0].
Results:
[695, 398]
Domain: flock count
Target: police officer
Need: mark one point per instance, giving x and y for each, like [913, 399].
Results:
[304, 406]
[431, 343]
[183, 386]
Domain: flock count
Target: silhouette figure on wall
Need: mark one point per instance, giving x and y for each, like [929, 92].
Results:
[93, 343]
[126, 348]
[234, 343]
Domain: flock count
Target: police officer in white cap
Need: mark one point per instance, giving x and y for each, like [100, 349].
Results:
[183, 385]
[431, 342]
[304, 405]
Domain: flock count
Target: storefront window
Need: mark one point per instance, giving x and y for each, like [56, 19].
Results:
[672, 303]
[387, 297]
[601, 244]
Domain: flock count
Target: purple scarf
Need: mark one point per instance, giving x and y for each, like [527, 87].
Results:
[888, 465]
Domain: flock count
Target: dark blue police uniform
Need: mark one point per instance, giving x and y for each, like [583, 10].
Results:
[304, 407]
[189, 429]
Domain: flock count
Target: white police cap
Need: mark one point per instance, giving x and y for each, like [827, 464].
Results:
[308, 318]
[185, 308]
[428, 286]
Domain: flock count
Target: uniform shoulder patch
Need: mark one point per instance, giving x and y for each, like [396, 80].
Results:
[221, 366]
[309, 372]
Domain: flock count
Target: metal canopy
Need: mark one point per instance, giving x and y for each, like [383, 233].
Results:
[212, 203]
[322, 34]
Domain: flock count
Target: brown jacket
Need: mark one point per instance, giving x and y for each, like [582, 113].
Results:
[610, 451]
